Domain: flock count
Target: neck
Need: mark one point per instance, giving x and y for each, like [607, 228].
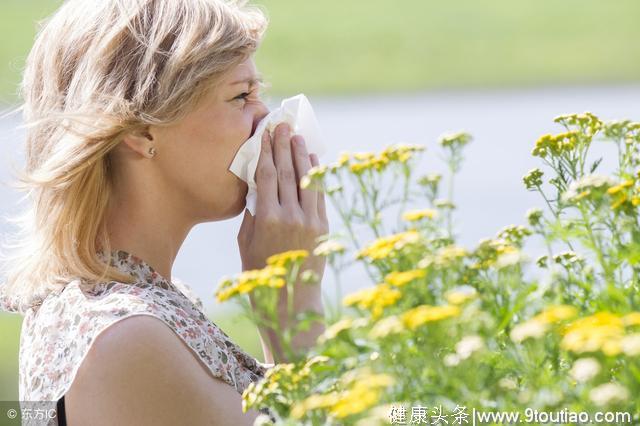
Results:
[149, 229]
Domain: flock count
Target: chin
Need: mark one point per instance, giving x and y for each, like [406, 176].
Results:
[240, 206]
[236, 205]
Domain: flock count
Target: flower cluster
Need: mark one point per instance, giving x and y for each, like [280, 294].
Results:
[585, 123]
[286, 258]
[455, 140]
[359, 162]
[374, 299]
[444, 325]
[603, 331]
[416, 215]
[270, 276]
[533, 179]
[388, 246]
[539, 324]
[360, 389]
[592, 187]
[556, 145]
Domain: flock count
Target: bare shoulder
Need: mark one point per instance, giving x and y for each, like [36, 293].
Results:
[139, 372]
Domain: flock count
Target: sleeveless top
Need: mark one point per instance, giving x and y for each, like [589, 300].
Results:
[58, 330]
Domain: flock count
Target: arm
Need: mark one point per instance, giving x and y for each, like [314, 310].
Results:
[139, 372]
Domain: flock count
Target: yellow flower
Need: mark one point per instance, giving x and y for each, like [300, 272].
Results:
[539, 324]
[363, 392]
[314, 175]
[617, 188]
[556, 313]
[269, 276]
[419, 315]
[283, 259]
[375, 299]
[587, 122]
[384, 246]
[313, 402]
[379, 163]
[617, 203]
[355, 401]
[398, 279]
[225, 289]
[343, 158]
[401, 152]
[631, 319]
[602, 331]
[226, 294]
[459, 295]
[363, 156]
[413, 215]
[358, 168]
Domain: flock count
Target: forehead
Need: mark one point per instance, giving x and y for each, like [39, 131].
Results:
[242, 71]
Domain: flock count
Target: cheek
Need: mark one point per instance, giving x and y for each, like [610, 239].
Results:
[218, 145]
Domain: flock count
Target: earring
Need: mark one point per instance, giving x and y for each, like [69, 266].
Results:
[152, 151]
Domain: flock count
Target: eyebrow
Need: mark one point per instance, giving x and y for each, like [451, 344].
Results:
[251, 80]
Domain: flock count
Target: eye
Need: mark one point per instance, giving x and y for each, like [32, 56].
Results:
[243, 95]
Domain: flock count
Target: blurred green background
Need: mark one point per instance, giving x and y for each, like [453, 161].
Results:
[342, 47]
[361, 46]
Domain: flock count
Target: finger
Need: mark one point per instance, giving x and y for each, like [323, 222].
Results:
[322, 210]
[287, 188]
[267, 186]
[308, 197]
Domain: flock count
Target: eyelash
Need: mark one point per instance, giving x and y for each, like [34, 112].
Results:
[243, 95]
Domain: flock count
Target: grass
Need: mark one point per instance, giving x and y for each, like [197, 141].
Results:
[239, 329]
[337, 47]
[10, 331]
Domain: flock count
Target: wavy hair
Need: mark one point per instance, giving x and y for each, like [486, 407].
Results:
[99, 69]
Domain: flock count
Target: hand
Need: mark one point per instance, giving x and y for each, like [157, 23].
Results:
[287, 217]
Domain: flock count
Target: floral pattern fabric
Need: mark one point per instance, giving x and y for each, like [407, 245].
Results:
[58, 332]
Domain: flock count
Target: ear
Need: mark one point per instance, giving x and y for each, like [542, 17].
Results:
[139, 141]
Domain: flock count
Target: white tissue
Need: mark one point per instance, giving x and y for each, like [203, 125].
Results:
[298, 113]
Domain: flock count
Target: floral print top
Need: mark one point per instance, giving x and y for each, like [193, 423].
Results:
[58, 331]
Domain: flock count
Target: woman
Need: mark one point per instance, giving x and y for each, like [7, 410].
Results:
[135, 110]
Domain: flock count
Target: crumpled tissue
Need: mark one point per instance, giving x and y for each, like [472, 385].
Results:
[298, 113]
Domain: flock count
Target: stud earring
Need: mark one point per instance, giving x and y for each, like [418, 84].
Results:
[152, 151]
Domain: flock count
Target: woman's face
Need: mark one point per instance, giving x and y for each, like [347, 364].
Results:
[195, 153]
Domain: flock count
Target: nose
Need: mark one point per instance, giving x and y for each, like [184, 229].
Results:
[261, 112]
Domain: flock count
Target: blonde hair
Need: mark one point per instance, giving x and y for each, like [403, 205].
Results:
[99, 69]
